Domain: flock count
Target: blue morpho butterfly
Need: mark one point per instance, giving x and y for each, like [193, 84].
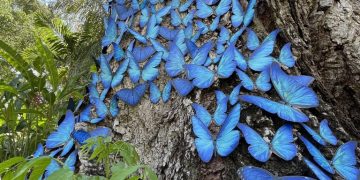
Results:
[185, 6]
[141, 54]
[155, 93]
[182, 86]
[210, 2]
[81, 136]
[174, 63]
[97, 102]
[160, 48]
[249, 14]
[199, 55]
[144, 17]
[175, 18]
[119, 53]
[124, 12]
[262, 82]
[255, 173]
[344, 161]
[234, 95]
[326, 135]
[179, 40]
[114, 107]
[219, 114]
[161, 13]
[168, 34]
[188, 18]
[110, 33]
[150, 71]
[61, 136]
[260, 59]
[226, 140]
[317, 171]
[202, 77]
[132, 96]
[282, 144]
[204, 10]
[294, 95]
[109, 80]
[54, 165]
[175, 4]
[237, 13]
[152, 30]
[39, 151]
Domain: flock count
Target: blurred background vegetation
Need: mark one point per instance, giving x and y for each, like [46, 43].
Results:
[46, 55]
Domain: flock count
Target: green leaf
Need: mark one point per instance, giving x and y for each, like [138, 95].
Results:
[127, 151]
[50, 65]
[4, 166]
[34, 163]
[121, 172]
[63, 173]
[8, 88]
[83, 177]
[150, 173]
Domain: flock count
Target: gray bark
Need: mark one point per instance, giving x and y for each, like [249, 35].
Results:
[326, 42]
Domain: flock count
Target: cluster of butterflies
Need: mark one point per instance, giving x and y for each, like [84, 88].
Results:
[167, 33]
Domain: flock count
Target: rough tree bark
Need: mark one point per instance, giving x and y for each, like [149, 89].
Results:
[326, 42]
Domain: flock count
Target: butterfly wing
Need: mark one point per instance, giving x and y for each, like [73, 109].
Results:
[106, 74]
[132, 96]
[226, 65]
[161, 13]
[119, 74]
[314, 134]
[202, 114]
[254, 173]
[326, 132]
[238, 14]
[240, 60]
[175, 18]
[258, 148]
[252, 39]
[201, 76]
[188, 18]
[168, 34]
[150, 71]
[141, 54]
[160, 48]
[304, 80]
[286, 56]
[236, 35]
[185, 6]
[223, 7]
[201, 53]
[291, 91]
[137, 35]
[344, 161]
[166, 92]
[114, 107]
[224, 35]
[182, 86]
[263, 81]
[62, 134]
[100, 108]
[71, 160]
[67, 147]
[134, 69]
[283, 143]
[234, 95]
[246, 81]
[221, 107]
[203, 143]
[118, 52]
[175, 62]
[249, 14]
[203, 10]
[317, 171]
[316, 154]
[39, 151]
[100, 132]
[81, 136]
[214, 25]
[110, 33]
[260, 59]
[144, 17]
[155, 93]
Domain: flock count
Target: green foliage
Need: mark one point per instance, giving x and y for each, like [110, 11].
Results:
[19, 168]
[106, 152]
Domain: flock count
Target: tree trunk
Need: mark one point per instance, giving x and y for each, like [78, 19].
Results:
[326, 42]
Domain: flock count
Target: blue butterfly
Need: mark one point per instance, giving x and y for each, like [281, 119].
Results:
[236, 35]
[134, 69]
[294, 94]
[100, 109]
[200, 55]
[155, 93]
[188, 18]
[255, 173]
[39, 151]
[185, 6]
[132, 96]
[182, 86]
[317, 171]
[61, 136]
[282, 144]
[161, 13]
[175, 62]
[175, 4]
[237, 14]
[179, 40]
[168, 34]
[81, 135]
[110, 33]
[150, 71]
[204, 11]
[219, 114]
[175, 18]
[118, 52]
[249, 14]
[240, 60]
[234, 95]
[114, 107]
[344, 161]
[160, 48]
[224, 35]
[226, 140]
[141, 38]
[54, 165]
[141, 54]
[107, 79]
[326, 135]
[152, 29]
[262, 82]
[124, 12]
[144, 17]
